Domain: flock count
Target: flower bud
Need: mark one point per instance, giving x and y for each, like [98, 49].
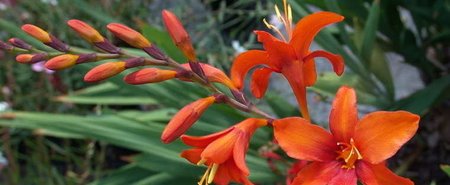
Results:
[37, 33]
[185, 118]
[178, 34]
[45, 37]
[104, 71]
[31, 58]
[61, 62]
[149, 75]
[5, 46]
[128, 35]
[85, 30]
[19, 43]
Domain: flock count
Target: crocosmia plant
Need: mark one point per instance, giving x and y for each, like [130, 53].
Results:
[353, 149]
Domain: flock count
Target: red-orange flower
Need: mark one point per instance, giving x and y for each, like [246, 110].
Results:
[289, 56]
[185, 118]
[62, 62]
[213, 75]
[223, 152]
[355, 149]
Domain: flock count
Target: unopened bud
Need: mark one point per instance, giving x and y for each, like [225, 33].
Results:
[149, 75]
[19, 43]
[4, 46]
[185, 118]
[45, 37]
[178, 34]
[85, 30]
[31, 58]
[130, 36]
[104, 71]
[37, 33]
[61, 62]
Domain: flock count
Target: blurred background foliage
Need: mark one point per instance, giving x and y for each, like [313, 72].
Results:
[56, 129]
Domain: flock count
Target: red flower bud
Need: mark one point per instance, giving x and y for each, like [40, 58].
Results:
[37, 33]
[130, 36]
[86, 31]
[104, 71]
[149, 75]
[185, 118]
[62, 62]
[178, 34]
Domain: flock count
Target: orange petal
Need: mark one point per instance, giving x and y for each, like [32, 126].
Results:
[104, 71]
[149, 75]
[221, 149]
[203, 141]
[185, 118]
[227, 172]
[85, 30]
[279, 52]
[344, 115]
[192, 155]
[344, 177]
[379, 174]
[317, 173]
[336, 60]
[240, 148]
[244, 62]
[291, 72]
[307, 28]
[214, 75]
[303, 140]
[37, 33]
[260, 81]
[309, 72]
[379, 135]
[130, 36]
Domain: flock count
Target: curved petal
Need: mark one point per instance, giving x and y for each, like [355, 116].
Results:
[344, 115]
[228, 171]
[378, 174]
[309, 72]
[244, 62]
[336, 60]
[303, 140]
[344, 177]
[221, 149]
[260, 81]
[379, 135]
[239, 151]
[192, 155]
[280, 53]
[293, 74]
[203, 141]
[307, 28]
[317, 173]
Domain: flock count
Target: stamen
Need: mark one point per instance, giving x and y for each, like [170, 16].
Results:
[272, 27]
[202, 161]
[212, 173]
[206, 174]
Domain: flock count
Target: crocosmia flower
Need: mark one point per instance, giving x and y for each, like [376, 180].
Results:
[355, 148]
[223, 152]
[288, 55]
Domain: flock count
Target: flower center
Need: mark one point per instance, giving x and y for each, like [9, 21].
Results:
[285, 19]
[348, 153]
[209, 174]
